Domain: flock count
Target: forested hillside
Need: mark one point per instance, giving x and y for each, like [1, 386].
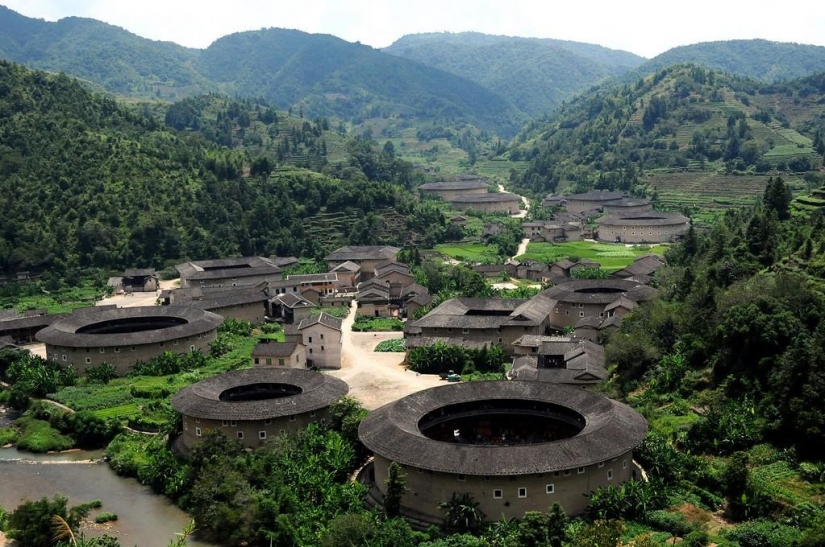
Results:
[333, 77]
[109, 56]
[683, 122]
[87, 182]
[758, 59]
[536, 75]
[322, 74]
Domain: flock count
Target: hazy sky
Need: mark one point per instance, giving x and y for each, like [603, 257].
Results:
[645, 27]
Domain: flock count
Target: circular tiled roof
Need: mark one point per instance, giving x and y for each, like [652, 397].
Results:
[173, 322]
[203, 400]
[611, 429]
[599, 291]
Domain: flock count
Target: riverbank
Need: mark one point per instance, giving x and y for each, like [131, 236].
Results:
[146, 519]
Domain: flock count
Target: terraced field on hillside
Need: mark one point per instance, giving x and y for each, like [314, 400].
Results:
[710, 190]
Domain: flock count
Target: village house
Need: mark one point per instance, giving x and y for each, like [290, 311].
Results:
[365, 256]
[228, 272]
[488, 320]
[552, 231]
[268, 353]
[496, 271]
[246, 303]
[558, 360]
[139, 280]
[290, 307]
[645, 265]
[349, 275]
[321, 335]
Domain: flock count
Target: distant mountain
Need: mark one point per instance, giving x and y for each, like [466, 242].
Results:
[535, 74]
[759, 59]
[333, 77]
[322, 74]
[110, 56]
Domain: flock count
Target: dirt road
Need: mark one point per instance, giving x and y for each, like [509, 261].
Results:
[376, 378]
[524, 200]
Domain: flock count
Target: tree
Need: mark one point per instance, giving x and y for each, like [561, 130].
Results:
[462, 513]
[601, 533]
[556, 526]
[777, 197]
[396, 487]
[735, 484]
[32, 523]
[532, 530]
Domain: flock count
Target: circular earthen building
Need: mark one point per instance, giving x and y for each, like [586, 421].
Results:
[513, 446]
[256, 404]
[122, 337]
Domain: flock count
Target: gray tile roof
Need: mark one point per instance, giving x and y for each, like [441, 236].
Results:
[224, 268]
[347, 266]
[274, 349]
[322, 318]
[500, 197]
[650, 218]
[611, 429]
[329, 277]
[64, 332]
[202, 400]
[597, 196]
[363, 252]
[293, 300]
[139, 272]
[453, 185]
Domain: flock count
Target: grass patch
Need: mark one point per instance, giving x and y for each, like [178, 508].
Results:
[394, 344]
[145, 399]
[40, 436]
[105, 516]
[8, 435]
[364, 323]
[611, 256]
[470, 252]
[60, 301]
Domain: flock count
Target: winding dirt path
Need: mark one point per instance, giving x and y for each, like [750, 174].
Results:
[376, 378]
[524, 200]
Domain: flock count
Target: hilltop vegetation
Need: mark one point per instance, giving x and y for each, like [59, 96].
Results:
[90, 183]
[681, 119]
[333, 77]
[761, 60]
[536, 75]
[109, 56]
[325, 75]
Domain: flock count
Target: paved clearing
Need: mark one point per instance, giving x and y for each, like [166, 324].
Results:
[376, 378]
[139, 298]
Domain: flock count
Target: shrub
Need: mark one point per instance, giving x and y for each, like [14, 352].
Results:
[105, 516]
[101, 374]
[697, 538]
[238, 327]
[674, 523]
[392, 345]
[763, 533]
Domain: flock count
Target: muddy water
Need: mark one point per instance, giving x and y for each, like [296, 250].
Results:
[145, 519]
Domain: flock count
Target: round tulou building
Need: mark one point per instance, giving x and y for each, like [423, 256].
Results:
[122, 337]
[642, 227]
[255, 405]
[513, 446]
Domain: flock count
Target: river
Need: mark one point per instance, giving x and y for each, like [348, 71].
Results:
[145, 519]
